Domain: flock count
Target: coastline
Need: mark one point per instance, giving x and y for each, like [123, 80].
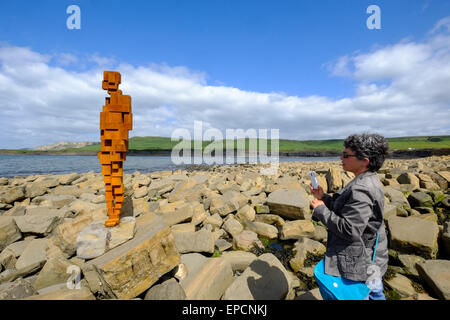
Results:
[396, 154]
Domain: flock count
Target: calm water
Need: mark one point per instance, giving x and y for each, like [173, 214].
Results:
[21, 165]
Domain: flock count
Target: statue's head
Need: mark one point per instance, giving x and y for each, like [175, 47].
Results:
[111, 80]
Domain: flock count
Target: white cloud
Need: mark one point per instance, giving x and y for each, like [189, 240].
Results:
[102, 62]
[402, 89]
[391, 62]
[443, 23]
[65, 59]
[340, 67]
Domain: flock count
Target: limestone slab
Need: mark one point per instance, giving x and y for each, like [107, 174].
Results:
[232, 226]
[402, 285]
[53, 272]
[12, 194]
[35, 252]
[437, 275]
[291, 204]
[210, 281]
[261, 228]
[229, 202]
[168, 290]
[92, 241]
[65, 235]
[239, 260]
[41, 224]
[122, 232]
[254, 283]
[9, 232]
[65, 294]
[297, 229]
[19, 289]
[131, 268]
[200, 241]
[246, 240]
[414, 235]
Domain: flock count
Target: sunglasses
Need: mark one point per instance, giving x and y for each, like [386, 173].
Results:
[345, 155]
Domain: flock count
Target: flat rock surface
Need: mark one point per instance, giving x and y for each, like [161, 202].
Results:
[291, 204]
[168, 290]
[9, 232]
[264, 279]
[414, 235]
[35, 252]
[145, 258]
[209, 281]
[437, 274]
[199, 241]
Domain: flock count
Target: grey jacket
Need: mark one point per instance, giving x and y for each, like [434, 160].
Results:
[353, 216]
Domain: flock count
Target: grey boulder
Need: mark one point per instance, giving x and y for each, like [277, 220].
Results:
[436, 274]
[168, 290]
[264, 279]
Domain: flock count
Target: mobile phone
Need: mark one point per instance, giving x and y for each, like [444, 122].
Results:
[314, 181]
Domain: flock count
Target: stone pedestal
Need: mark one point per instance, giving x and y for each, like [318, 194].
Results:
[131, 268]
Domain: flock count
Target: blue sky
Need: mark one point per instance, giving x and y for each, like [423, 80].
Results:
[306, 58]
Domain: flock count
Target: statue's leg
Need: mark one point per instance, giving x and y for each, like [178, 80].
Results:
[109, 198]
[117, 193]
[119, 190]
[113, 213]
[119, 200]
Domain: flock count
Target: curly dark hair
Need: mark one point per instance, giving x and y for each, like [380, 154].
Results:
[372, 146]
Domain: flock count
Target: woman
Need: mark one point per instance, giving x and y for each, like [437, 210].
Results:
[354, 215]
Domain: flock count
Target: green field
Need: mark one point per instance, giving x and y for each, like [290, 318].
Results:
[165, 144]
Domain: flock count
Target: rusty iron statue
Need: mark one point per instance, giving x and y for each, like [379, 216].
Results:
[115, 122]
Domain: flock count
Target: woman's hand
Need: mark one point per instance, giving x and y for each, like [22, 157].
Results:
[315, 203]
[317, 193]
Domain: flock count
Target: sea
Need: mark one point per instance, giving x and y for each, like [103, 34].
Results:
[27, 165]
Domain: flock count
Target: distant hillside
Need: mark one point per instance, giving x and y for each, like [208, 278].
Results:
[163, 146]
[402, 143]
[65, 145]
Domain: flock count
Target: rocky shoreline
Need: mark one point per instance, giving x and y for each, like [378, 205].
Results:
[223, 232]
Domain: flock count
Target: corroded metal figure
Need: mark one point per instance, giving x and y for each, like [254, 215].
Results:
[115, 122]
